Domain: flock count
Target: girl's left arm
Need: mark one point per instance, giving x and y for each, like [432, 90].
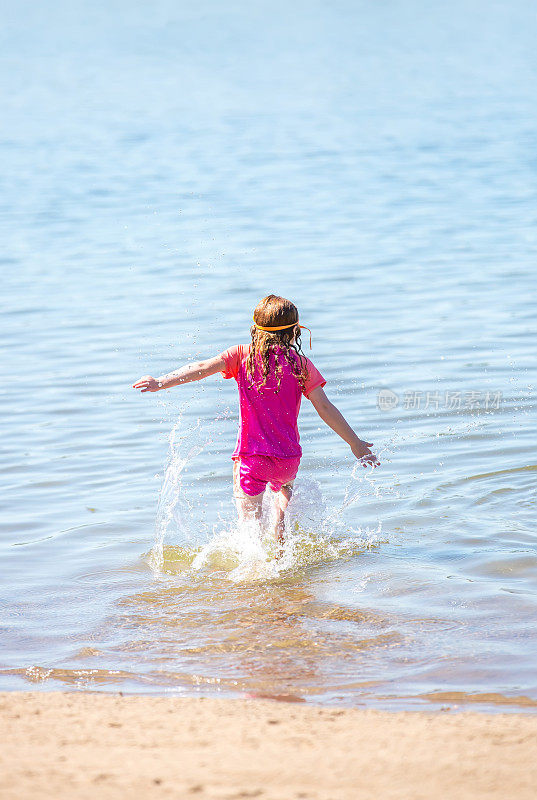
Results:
[188, 373]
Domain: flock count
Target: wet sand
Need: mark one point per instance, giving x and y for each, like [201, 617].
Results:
[76, 745]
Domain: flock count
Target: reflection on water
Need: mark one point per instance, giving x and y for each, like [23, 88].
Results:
[379, 170]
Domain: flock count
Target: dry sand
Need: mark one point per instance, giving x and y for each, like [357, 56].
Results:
[75, 745]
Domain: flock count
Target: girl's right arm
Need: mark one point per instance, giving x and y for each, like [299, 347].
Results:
[188, 373]
[335, 419]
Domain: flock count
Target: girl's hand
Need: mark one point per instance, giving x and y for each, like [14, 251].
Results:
[363, 453]
[147, 384]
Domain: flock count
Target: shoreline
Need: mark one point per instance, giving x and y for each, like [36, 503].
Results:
[82, 745]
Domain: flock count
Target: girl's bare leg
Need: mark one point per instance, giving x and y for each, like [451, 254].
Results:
[247, 507]
[282, 501]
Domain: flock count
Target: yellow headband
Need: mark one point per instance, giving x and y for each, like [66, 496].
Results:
[281, 328]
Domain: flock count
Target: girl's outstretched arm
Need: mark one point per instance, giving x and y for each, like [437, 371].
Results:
[188, 373]
[335, 419]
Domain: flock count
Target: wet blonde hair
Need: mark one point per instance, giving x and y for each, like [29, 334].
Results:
[274, 311]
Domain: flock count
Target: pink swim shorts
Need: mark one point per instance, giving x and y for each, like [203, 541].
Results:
[256, 471]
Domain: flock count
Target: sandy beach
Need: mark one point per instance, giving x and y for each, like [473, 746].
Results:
[75, 745]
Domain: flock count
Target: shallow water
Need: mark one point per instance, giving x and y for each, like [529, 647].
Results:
[164, 168]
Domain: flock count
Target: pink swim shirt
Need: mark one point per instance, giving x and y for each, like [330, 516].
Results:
[268, 416]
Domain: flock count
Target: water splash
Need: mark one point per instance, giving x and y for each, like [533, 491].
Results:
[246, 550]
[244, 547]
[172, 504]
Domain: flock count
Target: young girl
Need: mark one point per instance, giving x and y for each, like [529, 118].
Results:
[272, 374]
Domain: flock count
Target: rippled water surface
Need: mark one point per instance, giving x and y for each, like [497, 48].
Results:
[163, 167]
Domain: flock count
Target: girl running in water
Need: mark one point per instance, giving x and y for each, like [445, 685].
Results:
[272, 374]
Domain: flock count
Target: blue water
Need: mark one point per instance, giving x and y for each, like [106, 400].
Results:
[163, 167]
